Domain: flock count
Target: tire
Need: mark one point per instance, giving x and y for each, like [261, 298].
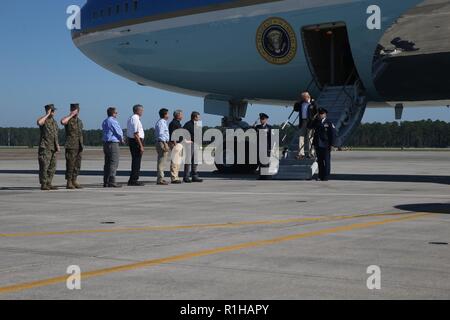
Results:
[236, 168]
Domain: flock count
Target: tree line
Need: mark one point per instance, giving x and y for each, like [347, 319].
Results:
[414, 134]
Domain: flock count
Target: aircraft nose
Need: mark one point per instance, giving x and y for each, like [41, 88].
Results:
[412, 60]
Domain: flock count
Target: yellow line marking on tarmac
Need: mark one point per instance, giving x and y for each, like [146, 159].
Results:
[203, 253]
[194, 226]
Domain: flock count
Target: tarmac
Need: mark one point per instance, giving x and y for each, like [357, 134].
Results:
[232, 237]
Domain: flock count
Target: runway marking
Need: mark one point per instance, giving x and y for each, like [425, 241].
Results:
[199, 192]
[194, 226]
[203, 253]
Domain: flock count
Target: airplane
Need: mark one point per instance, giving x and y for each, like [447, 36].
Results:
[236, 52]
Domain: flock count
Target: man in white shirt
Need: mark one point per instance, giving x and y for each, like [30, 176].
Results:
[136, 135]
[305, 132]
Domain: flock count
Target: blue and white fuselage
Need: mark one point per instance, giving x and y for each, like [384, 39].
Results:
[210, 47]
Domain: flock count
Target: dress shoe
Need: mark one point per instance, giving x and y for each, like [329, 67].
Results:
[136, 184]
[197, 180]
[176, 182]
[187, 180]
[114, 185]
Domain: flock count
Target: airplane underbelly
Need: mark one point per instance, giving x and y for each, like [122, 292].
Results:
[218, 53]
[219, 56]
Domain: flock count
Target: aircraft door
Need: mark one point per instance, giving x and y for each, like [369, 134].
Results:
[328, 51]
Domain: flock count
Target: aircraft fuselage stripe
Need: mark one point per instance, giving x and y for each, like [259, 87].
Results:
[174, 14]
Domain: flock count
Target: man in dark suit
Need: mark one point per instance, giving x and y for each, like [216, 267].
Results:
[264, 130]
[324, 140]
[190, 168]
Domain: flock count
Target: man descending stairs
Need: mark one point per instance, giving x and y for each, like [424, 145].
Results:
[346, 106]
[307, 109]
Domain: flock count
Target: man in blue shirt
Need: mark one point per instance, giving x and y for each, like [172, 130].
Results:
[162, 137]
[112, 137]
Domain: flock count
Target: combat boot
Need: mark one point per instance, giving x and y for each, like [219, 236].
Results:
[70, 185]
[76, 184]
[45, 187]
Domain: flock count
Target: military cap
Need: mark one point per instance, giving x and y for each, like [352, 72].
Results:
[263, 116]
[74, 106]
[323, 111]
[50, 107]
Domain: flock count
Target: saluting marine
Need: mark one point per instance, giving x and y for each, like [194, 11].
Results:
[74, 145]
[48, 147]
[324, 140]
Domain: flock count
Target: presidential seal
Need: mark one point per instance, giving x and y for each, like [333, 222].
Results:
[276, 41]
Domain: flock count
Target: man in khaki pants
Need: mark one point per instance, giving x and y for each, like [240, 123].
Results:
[162, 137]
[307, 109]
[176, 146]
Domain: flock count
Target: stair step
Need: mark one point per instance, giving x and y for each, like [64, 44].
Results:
[304, 171]
[334, 97]
[338, 87]
[333, 100]
[297, 163]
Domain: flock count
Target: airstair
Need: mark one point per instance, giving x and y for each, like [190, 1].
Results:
[346, 106]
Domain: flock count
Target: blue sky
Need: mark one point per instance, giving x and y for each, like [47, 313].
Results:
[39, 64]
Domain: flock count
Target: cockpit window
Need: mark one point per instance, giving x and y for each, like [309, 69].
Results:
[116, 9]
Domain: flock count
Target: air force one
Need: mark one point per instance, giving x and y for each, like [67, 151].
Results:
[232, 52]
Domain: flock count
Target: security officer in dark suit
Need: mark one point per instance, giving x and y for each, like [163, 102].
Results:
[324, 140]
[264, 130]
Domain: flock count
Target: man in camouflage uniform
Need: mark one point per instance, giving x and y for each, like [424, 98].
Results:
[48, 147]
[74, 146]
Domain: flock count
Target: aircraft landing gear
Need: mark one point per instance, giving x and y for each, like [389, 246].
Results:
[233, 114]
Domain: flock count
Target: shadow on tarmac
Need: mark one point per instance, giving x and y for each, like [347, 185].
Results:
[426, 207]
[336, 177]
[392, 178]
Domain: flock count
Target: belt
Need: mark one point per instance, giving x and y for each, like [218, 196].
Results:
[163, 141]
[109, 142]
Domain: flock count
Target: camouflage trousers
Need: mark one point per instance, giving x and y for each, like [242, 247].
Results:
[47, 166]
[73, 164]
